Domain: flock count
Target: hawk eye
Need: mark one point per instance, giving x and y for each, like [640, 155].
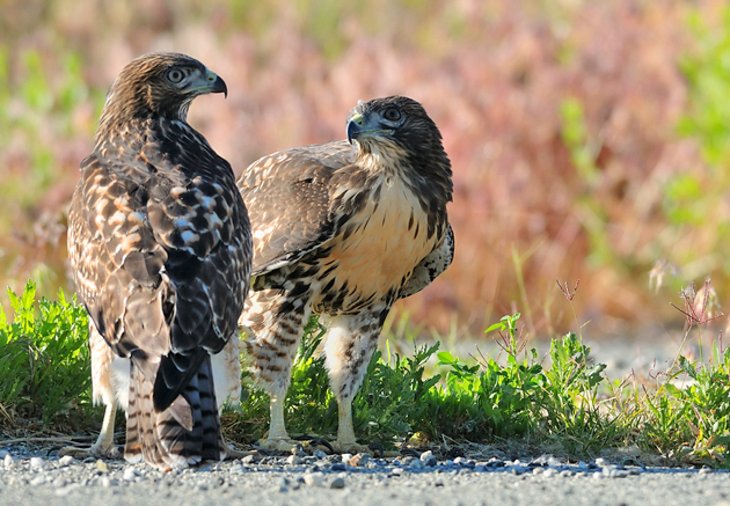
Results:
[392, 114]
[175, 75]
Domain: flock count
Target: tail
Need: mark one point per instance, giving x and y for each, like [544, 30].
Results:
[185, 433]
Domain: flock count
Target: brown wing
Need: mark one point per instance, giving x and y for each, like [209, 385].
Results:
[160, 260]
[117, 263]
[292, 202]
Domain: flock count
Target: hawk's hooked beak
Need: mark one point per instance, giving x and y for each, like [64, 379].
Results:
[355, 126]
[215, 84]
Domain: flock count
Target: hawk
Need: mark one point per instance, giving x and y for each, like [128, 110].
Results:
[343, 230]
[160, 250]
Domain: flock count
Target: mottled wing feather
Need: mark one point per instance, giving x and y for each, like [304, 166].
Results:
[114, 249]
[292, 202]
[145, 253]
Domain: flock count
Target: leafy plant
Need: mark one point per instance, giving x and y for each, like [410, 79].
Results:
[44, 359]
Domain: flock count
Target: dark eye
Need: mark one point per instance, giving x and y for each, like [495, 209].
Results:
[392, 114]
[175, 75]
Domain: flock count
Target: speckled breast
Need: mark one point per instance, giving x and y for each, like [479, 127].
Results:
[376, 252]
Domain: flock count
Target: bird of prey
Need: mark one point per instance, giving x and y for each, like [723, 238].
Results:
[160, 249]
[343, 230]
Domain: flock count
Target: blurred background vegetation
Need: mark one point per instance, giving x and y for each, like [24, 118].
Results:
[590, 140]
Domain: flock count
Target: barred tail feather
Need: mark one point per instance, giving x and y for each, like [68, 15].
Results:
[185, 433]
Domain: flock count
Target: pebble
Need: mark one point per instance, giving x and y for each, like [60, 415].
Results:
[612, 472]
[345, 458]
[248, 459]
[338, 483]
[397, 471]
[415, 465]
[66, 460]
[283, 485]
[550, 472]
[428, 459]
[37, 464]
[359, 460]
[101, 466]
[313, 480]
[129, 474]
[293, 460]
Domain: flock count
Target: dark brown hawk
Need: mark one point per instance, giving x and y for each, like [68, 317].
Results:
[343, 230]
[160, 249]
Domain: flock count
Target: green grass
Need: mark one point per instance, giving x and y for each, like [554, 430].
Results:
[563, 403]
[44, 362]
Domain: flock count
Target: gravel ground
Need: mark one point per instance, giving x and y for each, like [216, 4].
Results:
[38, 476]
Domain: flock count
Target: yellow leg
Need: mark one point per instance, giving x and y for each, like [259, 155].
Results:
[277, 439]
[104, 445]
[346, 441]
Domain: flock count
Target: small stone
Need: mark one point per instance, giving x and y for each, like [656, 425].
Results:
[248, 459]
[338, 483]
[567, 473]
[66, 460]
[293, 460]
[313, 480]
[359, 460]
[600, 462]
[105, 482]
[3, 453]
[549, 472]
[398, 471]
[101, 466]
[129, 474]
[37, 463]
[464, 462]
[614, 473]
[338, 466]
[428, 459]
[494, 463]
[438, 483]
[345, 458]
[415, 465]
[284, 485]
[319, 454]
[537, 470]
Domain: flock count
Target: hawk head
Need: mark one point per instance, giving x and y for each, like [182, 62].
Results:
[159, 84]
[399, 130]
[397, 119]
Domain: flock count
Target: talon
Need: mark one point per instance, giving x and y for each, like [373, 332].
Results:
[79, 453]
[350, 447]
[277, 445]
